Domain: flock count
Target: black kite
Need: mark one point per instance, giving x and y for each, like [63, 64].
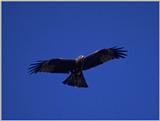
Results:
[76, 66]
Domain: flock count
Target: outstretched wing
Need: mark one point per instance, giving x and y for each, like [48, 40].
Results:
[53, 66]
[102, 56]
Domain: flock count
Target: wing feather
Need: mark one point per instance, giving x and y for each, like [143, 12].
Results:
[53, 66]
[102, 56]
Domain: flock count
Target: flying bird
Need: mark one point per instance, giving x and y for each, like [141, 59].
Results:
[75, 67]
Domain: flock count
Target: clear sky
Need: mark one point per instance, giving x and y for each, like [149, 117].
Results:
[120, 89]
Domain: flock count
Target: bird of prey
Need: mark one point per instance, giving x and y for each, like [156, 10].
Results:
[75, 66]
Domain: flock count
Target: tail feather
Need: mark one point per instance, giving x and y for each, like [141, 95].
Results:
[76, 80]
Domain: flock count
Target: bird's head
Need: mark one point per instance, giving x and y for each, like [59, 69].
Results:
[80, 58]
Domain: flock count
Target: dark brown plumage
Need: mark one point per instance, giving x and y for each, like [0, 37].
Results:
[76, 66]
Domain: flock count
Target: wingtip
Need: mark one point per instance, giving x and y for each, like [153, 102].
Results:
[120, 52]
[33, 68]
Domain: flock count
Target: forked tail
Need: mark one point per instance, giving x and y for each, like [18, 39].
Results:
[76, 80]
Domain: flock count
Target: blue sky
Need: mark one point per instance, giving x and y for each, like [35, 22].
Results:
[120, 89]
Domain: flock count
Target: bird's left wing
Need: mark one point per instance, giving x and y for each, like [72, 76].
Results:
[102, 56]
[53, 66]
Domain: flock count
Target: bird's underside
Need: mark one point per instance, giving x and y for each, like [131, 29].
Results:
[76, 66]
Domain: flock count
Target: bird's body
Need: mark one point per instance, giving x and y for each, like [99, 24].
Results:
[76, 66]
[76, 78]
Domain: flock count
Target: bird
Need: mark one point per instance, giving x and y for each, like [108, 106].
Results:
[75, 67]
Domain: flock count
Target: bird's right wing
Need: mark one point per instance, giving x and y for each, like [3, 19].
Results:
[53, 66]
[104, 55]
